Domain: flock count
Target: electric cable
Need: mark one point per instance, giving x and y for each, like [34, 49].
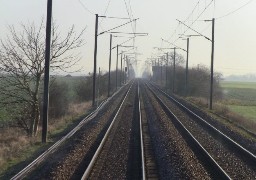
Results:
[234, 11]
[85, 8]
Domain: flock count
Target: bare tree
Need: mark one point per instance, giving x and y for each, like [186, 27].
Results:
[22, 55]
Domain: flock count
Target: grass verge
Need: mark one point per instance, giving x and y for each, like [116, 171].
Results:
[226, 115]
[17, 150]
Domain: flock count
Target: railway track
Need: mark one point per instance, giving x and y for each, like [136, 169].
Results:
[150, 135]
[139, 158]
[45, 165]
[222, 156]
[30, 167]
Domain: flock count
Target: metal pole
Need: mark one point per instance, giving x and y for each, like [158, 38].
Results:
[212, 58]
[47, 73]
[186, 83]
[166, 74]
[155, 74]
[158, 71]
[98, 88]
[95, 61]
[161, 70]
[109, 66]
[128, 69]
[116, 64]
[173, 81]
[121, 69]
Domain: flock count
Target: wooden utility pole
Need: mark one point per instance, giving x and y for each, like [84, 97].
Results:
[95, 61]
[47, 71]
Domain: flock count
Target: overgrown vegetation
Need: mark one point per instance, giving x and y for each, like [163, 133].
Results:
[70, 97]
[22, 56]
[198, 81]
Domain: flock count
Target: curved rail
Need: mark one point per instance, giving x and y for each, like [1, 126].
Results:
[219, 172]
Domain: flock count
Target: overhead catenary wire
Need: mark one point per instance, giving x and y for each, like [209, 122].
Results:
[105, 12]
[184, 21]
[85, 8]
[189, 26]
[118, 26]
[234, 11]
[193, 21]
[124, 42]
[130, 16]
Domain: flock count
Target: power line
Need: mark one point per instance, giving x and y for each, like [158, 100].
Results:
[107, 7]
[118, 26]
[129, 15]
[85, 8]
[192, 11]
[232, 12]
[197, 4]
[131, 8]
[184, 20]
[111, 17]
[206, 7]
[104, 14]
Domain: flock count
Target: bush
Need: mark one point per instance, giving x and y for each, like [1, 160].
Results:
[83, 89]
[198, 81]
[58, 99]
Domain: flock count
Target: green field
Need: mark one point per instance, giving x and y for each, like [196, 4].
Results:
[246, 111]
[242, 85]
[242, 93]
[240, 97]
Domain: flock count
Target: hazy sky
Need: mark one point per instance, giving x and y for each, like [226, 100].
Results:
[235, 37]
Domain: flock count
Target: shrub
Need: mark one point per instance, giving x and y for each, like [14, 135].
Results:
[58, 99]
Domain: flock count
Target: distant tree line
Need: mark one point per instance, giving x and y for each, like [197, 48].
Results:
[198, 81]
[198, 77]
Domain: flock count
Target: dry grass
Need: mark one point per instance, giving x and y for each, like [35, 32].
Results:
[223, 111]
[75, 110]
[14, 142]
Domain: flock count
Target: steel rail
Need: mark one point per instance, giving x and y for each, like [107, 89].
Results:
[98, 151]
[219, 172]
[45, 154]
[248, 156]
[57, 144]
[141, 137]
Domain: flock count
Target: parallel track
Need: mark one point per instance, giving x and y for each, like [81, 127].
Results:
[146, 167]
[193, 143]
[35, 163]
[248, 157]
[100, 150]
